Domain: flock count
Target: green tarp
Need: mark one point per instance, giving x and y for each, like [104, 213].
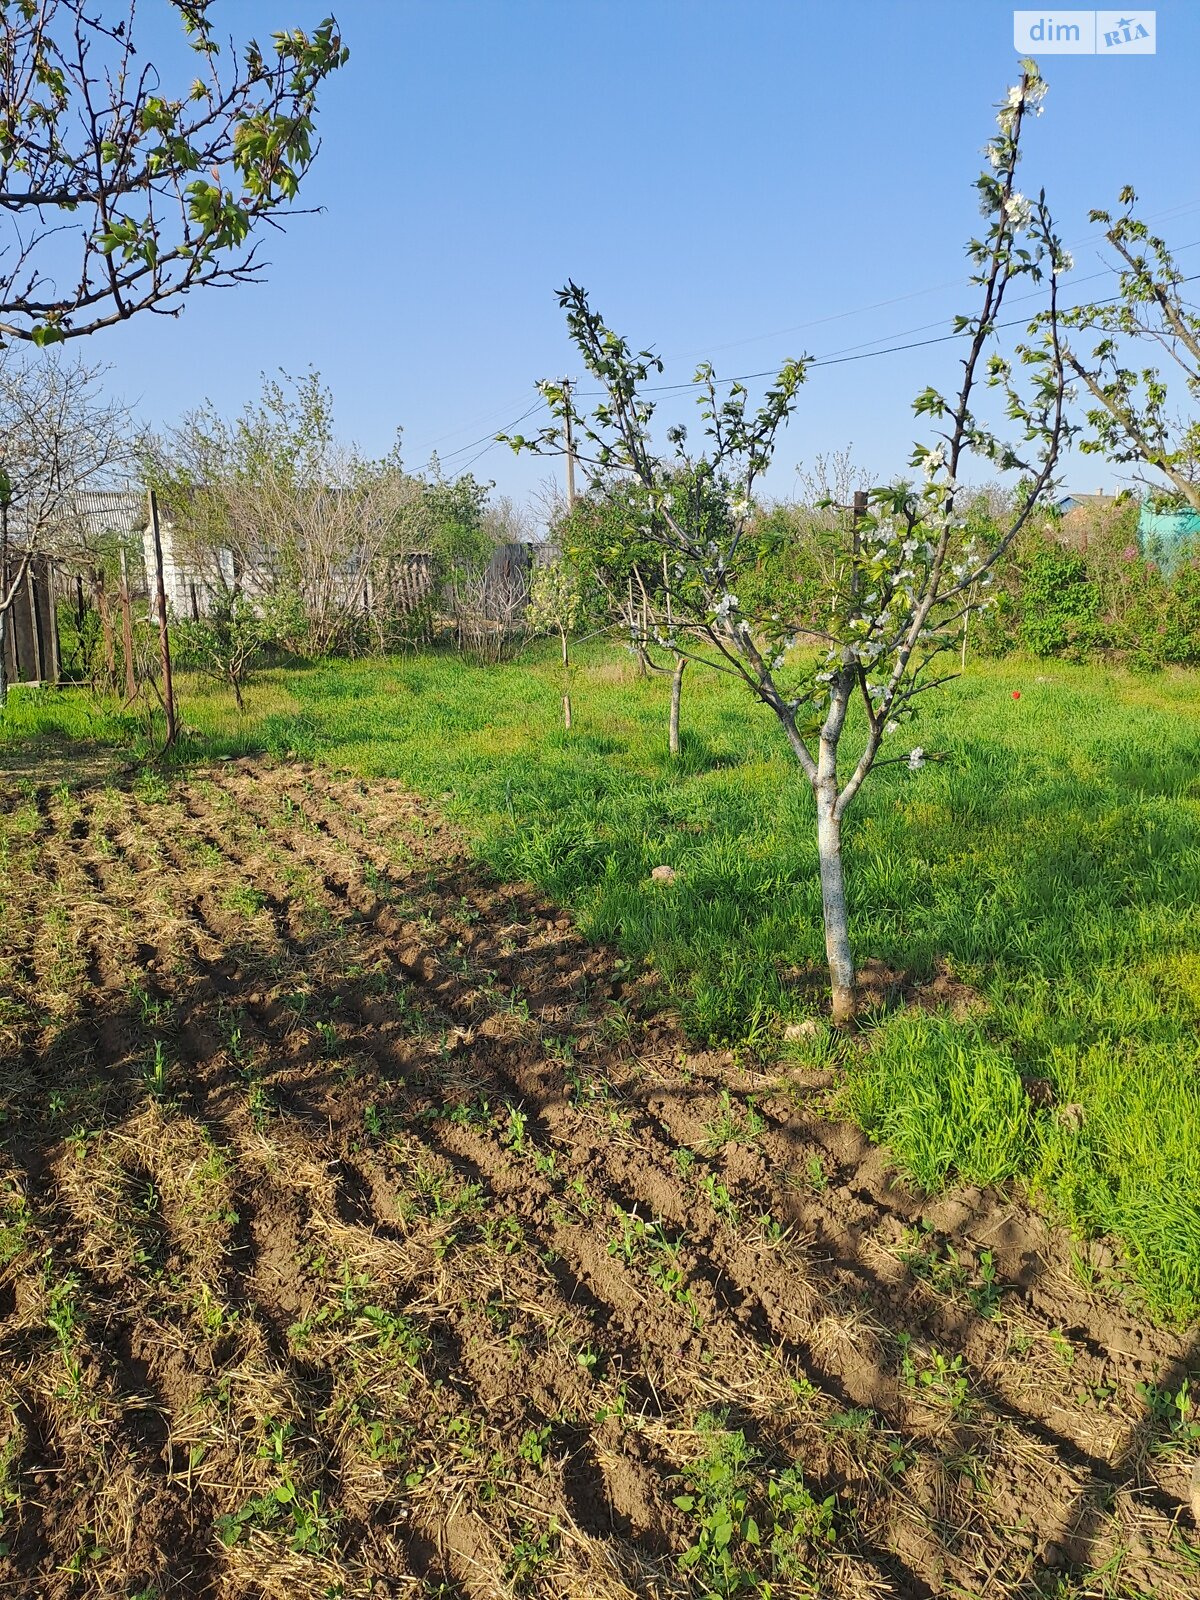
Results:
[1168, 537]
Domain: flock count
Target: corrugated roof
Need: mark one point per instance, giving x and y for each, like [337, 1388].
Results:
[90, 515]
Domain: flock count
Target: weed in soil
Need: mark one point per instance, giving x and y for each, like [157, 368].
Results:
[357, 1236]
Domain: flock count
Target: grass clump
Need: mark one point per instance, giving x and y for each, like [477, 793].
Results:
[946, 1101]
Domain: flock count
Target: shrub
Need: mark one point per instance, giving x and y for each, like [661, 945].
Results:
[226, 643]
[1062, 605]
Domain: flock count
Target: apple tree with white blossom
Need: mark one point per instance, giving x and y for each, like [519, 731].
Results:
[1130, 408]
[906, 568]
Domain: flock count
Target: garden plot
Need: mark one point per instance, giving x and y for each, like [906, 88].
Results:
[362, 1237]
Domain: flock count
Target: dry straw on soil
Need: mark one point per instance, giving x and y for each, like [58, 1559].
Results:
[360, 1238]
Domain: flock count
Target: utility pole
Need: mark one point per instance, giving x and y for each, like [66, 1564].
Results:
[164, 642]
[570, 438]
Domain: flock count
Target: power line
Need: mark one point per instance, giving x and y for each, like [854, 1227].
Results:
[836, 358]
[453, 433]
[916, 294]
[840, 357]
[1032, 294]
[490, 438]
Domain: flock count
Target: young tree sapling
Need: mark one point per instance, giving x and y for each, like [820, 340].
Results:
[905, 569]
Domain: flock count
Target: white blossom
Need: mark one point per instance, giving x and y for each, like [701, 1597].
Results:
[891, 727]
[1017, 212]
[727, 604]
[916, 759]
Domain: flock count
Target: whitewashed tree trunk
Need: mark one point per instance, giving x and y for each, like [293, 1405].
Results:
[833, 900]
[830, 804]
[566, 665]
[676, 694]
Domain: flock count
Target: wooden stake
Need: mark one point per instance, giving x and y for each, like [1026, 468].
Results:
[127, 632]
[164, 641]
[34, 633]
[53, 640]
[106, 627]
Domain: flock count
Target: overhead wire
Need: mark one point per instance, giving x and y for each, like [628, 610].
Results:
[916, 294]
[491, 437]
[846, 354]
[855, 353]
[431, 445]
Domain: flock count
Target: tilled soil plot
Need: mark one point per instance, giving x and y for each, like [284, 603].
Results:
[359, 1238]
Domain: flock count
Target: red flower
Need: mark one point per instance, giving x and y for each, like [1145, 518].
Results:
[1016, 694]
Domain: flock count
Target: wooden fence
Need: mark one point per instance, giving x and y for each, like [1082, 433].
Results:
[31, 647]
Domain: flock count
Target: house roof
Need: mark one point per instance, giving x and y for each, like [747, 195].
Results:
[111, 510]
[90, 515]
[1069, 502]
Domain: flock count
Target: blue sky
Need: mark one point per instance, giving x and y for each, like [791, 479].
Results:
[738, 179]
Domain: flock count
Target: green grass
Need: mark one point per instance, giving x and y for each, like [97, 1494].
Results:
[1052, 861]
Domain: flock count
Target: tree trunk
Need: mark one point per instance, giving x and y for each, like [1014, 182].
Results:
[833, 900]
[676, 695]
[566, 664]
[35, 638]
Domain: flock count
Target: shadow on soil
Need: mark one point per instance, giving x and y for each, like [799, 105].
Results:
[289, 1079]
